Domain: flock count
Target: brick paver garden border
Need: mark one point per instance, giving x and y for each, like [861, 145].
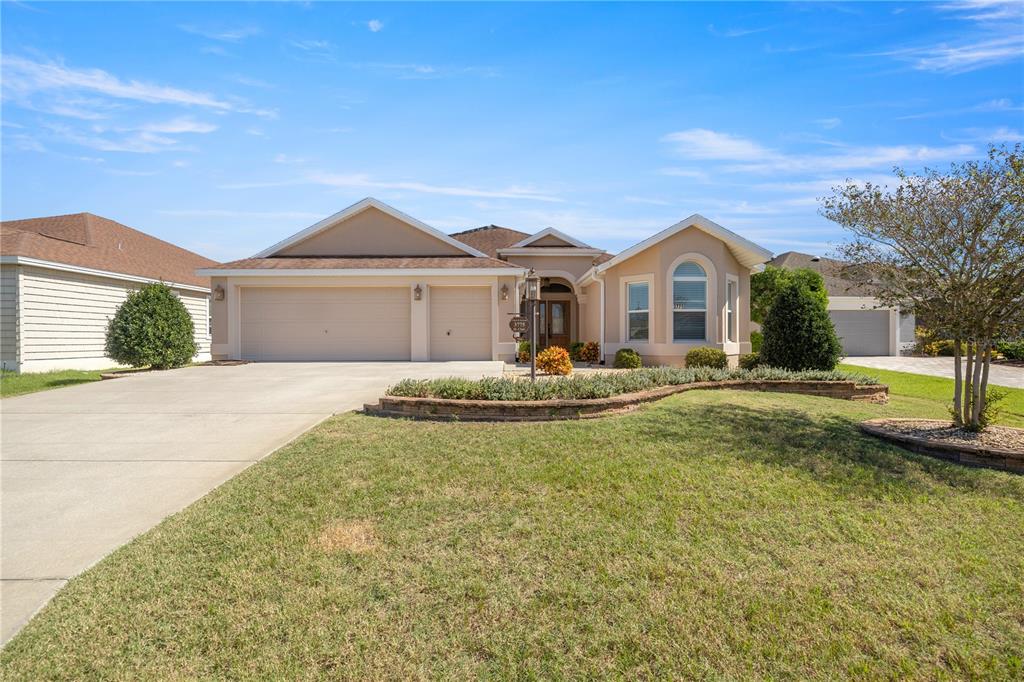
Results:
[548, 410]
[961, 453]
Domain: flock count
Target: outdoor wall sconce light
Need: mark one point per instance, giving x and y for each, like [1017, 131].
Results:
[417, 293]
[218, 293]
[504, 292]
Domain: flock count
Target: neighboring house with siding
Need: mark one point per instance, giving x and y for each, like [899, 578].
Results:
[63, 277]
[863, 325]
[372, 283]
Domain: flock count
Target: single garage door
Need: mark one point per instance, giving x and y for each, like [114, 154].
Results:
[460, 323]
[325, 324]
[862, 332]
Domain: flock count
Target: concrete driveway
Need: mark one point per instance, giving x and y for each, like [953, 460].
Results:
[87, 468]
[1000, 375]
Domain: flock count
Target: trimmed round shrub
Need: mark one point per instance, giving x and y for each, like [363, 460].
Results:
[750, 360]
[554, 360]
[574, 351]
[151, 328]
[756, 339]
[798, 333]
[590, 353]
[1011, 350]
[707, 357]
[627, 358]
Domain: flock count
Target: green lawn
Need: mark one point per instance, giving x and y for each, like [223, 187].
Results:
[715, 534]
[931, 392]
[12, 384]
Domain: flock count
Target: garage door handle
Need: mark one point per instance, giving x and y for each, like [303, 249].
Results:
[449, 332]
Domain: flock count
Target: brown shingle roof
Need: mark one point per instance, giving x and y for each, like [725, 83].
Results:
[362, 262]
[89, 241]
[831, 272]
[490, 238]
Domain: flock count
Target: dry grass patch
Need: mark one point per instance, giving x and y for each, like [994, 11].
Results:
[356, 537]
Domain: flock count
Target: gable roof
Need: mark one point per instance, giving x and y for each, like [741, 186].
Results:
[831, 271]
[746, 252]
[320, 265]
[88, 241]
[551, 232]
[489, 238]
[359, 207]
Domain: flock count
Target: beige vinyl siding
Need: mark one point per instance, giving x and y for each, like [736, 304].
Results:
[9, 316]
[64, 315]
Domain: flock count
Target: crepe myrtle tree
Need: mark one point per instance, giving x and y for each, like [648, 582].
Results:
[948, 246]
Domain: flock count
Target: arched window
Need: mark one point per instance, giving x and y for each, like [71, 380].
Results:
[689, 302]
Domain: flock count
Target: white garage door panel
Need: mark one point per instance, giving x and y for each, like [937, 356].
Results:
[460, 323]
[325, 324]
[862, 332]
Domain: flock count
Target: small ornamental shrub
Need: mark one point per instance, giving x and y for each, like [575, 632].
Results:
[590, 353]
[798, 332]
[574, 351]
[151, 328]
[627, 358]
[707, 357]
[523, 352]
[1011, 350]
[756, 339]
[554, 360]
[750, 360]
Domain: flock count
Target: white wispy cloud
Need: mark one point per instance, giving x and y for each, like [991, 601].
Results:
[964, 56]
[375, 25]
[178, 125]
[311, 50]
[250, 81]
[1001, 104]
[234, 34]
[363, 181]
[735, 32]
[739, 154]
[649, 201]
[829, 123]
[248, 215]
[417, 71]
[287, 159]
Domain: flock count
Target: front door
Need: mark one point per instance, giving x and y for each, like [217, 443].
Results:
[556, 324]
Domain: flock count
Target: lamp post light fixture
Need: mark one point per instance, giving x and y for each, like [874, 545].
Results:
[532, 299]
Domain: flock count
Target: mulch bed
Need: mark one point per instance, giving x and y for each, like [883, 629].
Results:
[998, 447]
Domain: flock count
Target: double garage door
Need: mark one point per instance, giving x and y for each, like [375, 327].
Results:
[309, 324]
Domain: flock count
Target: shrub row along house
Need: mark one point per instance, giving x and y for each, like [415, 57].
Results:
[63, 277]
[371, 283]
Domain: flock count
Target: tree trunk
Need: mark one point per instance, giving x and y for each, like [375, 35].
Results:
[965, 418]
[958, 385]
[986, 360]
[979, 352]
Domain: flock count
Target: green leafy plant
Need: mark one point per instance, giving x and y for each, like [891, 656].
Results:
[554, 360]
[627, 358]
[1011, 350]
[756, 339]
[151, 328]
[590, 353]
[798, 332]
[750, 360]
[705, 356]
[574, 350]
[523, 352]
[765, 287]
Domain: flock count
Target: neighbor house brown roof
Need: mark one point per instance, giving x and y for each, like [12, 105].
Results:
[89, 241]
[490, 238]
[831, 271]
[362, 262]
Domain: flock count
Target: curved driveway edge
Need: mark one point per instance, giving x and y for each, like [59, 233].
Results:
[87, 468]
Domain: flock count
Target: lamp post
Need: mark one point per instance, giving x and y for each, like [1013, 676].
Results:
[532, 297]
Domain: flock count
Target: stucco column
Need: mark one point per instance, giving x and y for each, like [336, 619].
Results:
[420, 320]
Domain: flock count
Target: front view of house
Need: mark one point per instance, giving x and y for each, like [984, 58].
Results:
[373, 284]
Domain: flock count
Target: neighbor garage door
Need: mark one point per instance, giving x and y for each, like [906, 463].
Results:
[460, 323]
[862, 332]
[325, 324]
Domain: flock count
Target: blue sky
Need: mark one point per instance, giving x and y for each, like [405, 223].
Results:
[226, 127]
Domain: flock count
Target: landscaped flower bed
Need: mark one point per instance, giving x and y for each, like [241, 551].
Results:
[603, 385]
[577, 397]
[997, 447]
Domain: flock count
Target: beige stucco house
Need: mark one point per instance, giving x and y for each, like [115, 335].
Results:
[372, 283]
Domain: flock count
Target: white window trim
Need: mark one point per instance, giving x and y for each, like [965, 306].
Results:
[711, 298]
[735, 281]
[624, 282]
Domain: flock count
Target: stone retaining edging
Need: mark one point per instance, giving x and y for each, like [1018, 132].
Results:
[548, 410]
[961, 453]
